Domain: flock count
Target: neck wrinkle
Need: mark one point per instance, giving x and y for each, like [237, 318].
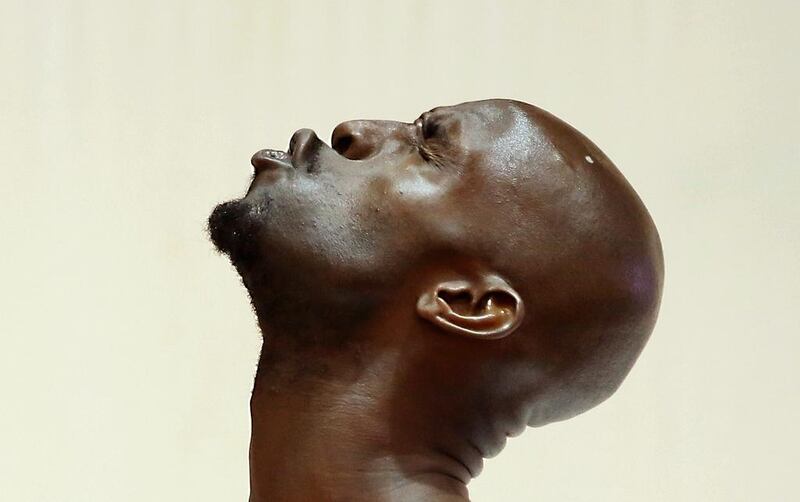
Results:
[328, 430]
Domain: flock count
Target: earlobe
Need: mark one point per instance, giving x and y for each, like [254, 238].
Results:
[487, 308]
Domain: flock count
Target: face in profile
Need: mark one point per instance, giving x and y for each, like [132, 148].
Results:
[557, 242]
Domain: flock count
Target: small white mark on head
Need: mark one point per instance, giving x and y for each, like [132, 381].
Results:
[589, 159]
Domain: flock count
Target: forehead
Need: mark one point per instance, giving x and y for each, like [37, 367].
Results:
[492, 112]
[509, 133]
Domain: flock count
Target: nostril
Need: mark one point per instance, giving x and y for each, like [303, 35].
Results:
[356, 139]
[343, 143]
[343, 136]
[352, 140]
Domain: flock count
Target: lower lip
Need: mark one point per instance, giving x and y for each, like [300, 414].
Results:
[266, 160]
[271, 165]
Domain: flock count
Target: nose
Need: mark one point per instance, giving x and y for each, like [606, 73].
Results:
[355, 139]
[361, 139]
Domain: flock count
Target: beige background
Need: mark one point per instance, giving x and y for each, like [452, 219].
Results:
[128, 346]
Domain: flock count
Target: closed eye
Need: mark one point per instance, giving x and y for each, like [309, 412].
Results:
[430, 129]
[427, 128]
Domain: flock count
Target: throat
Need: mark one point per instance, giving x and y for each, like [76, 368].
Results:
[347, 432]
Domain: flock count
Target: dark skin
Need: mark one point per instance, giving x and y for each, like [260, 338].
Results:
[428, 289]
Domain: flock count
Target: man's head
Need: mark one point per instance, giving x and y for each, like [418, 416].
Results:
[492, 224]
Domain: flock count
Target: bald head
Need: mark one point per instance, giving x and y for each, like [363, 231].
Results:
[490, 229]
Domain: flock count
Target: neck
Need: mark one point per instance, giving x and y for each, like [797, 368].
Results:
[355, 424]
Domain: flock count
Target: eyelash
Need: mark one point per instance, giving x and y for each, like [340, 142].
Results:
[424, 151]
[424, 132]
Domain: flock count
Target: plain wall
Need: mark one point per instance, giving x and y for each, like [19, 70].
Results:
[127, 346]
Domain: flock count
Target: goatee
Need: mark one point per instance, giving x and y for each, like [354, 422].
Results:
[233, 229]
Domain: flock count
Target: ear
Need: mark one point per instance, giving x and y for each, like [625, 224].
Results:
[486, 308]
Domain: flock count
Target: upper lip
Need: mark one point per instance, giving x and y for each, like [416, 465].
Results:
[304, 148]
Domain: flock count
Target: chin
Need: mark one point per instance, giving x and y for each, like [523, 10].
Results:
[233, 229]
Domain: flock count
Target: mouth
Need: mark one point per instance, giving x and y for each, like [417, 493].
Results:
[268, 159]
[302, 155]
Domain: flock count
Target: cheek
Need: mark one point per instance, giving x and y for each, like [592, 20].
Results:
[360, 229]
[410, 208]
[305, 226]
[416, 188]
[341, 230]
